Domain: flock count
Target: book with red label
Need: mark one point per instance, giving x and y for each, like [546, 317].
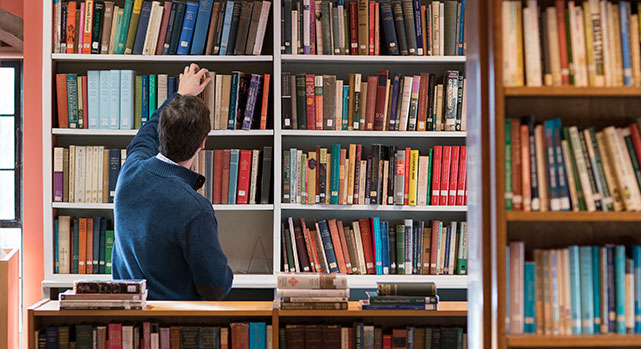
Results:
[445, 174]
[353, 28]
[265, 103]
[225, 183]
[344, 248]
[244, 173]
[406, 194]
[310, 109]
[423, 91]
[370, 107]
[338, 247]
[218, 176]
[462, 182]
[451, 198]
[115, 336]
[381, 96]
[61, 94]
[308, 246]
[436, 174]
[315, 259]
[368, 248]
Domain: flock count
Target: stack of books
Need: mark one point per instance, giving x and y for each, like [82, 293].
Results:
[311, 291]
[402, 296]
[111, 294]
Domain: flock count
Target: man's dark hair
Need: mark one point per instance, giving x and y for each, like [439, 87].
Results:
[184, 124]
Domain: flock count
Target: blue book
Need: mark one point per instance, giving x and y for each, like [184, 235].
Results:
[252, 97]
[448, 237]
[636, 257]
[563, 190]
[507, 288]
[389, 29]
[171, 86]
[345, 107]
[257, 335]
[72, 100]
[56, 268]
[575, 289]
[233, 29]
[96, 245]
[200, 30]
[114, 170]
[293, 173]
[52, 338]
[287, 34]
[74, 247]
[153, 94]
[233, 99]
[410, 338]
[358, 336]
[229, 12]
[619, 277]
[461, 30]
[385, 246]
[612, 311]
[587, 297]
[378, 251]
[416, 4]
[170, 28]
[596, 289]
[336, 163]
[555, 203]
[124, 29]
[554, 279]
[105, 100]
[625, 42]
[603, 271]
[396, 84]
[233, 176]
[145, 100]
[530, 300]
[143, 22]
[126, 99]
[103, 245]
[93, 99]
[114, 98]
[187, 29]
[328, 246]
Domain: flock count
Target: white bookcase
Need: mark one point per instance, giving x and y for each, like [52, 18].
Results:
[240, 225]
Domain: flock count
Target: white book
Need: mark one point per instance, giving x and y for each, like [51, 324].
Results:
[306, 23]
[149, 35]
[582, 168]
[295, 26]
[582, 66]
[618, 155]
[405, 102]
[127, 99]
[105, 99]
[269, 336]
[58, 31]
[72, 173]
[339, 105]
[553, 40]
[112, 34]
[345, 342]
[292, 236]
[218, 101]
[89, 173]
[441, 9]
[439, 107]
[532, 45]
[361, 182]
[64, 239]
[114, 98]
[127, 337]
[423, 165]
[359, 248]
[155, 340]
[605, 35]
[156, 28]
[436, 41]
[123, 157]
[597, 41]
[100, 179]
[80, 174]
[341, 29]
[254, 176]
[262, 26]
[162, 88]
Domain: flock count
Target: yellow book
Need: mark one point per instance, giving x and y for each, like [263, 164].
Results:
[413, 177]
[311, 179]
[589, 44]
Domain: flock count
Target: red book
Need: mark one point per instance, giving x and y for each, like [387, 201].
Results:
[85, 122]
[318, 102]
[146, 335]
[218, 176]
[308, 246]
[377, 32]
[445, 174]
[563, 46]
[423, 92]
[436, 232]
[399, 336]
[353, 28]
[368, 248]
[460, 192]
[381, 94]
[89, 259]
[82, 245]
[371, 19]
[115, 336]
[71, 26]
[406, 194]
[301, 250]
[309, 102]
[436, 174]
[312, 30]
[370, 106]
[244, 172]
[163, 27]
[265, 105]
[315, 261]
[338, 249]
[341, 235]
[387, 341]
[350, 334]
[61, 94]
[88, 26]
[635, 134]
[451, 199]
[239, 335]
[225, 184]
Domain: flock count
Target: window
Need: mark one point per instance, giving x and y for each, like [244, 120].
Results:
[10, 144]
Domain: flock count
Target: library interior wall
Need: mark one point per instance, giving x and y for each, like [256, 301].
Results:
[14, 6]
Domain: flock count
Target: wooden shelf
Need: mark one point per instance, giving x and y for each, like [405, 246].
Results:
[579, 341]
[570, 216]
[73, 57]
[571, 91]
[110, 206]
[449, 309]
[387, 134]
[131, 133]
[371, 59]
[380, 208]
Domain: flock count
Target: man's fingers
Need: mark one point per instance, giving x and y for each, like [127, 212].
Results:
[193, 67]
[204, 84]
[186, 70]
[201, 73]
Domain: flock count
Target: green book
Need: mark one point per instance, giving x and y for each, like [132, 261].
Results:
[336, 165]
[608, 195]
[76, 236]
[72, 99]
[301, 104]
[153, 83]
[109, 246]
[84, 336]
[429, 178]
[461, 264]
[633, 157]
[124, 30]
[400, 249]
[138, 103]
[119, 16]
[303, 178]
[133, 27]
[281, 338]
[508, 165]
[569, 41]
[574, 170]
[290, 253]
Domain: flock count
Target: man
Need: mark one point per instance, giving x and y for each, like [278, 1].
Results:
[165, 231]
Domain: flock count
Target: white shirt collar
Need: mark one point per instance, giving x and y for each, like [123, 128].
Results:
[163, 158]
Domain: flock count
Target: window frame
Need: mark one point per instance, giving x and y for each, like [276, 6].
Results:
[17, 221]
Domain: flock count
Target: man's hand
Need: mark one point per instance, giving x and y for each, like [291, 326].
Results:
[191, 81]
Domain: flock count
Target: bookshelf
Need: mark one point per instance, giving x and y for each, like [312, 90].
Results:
[242, 225]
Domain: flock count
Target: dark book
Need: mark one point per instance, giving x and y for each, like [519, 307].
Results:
[283, 247]
[219, 28]
[295, 336]
[314, 306]
[326, 30]
[380, 104]
[423, 289]
[64, 5]
[114, 170]
[331, 335]
[448, 337]
[375, 185]
[368, 181]
[399, 21]
[176, 30]
[244, 21]
[209, 337]
[103, 245]
[213, 23]
[111, 287]
[171, 22]
[287, 33]
[313, 336]
[253, 27]
[459, 108]
[322, 173]
[189, 337]
[329, 102]
[98, 11]
[286, 98]
[328, 246]
[451, 7]
[266, 176]
[389, 29]
[52, 337]
[374, 298]
[97, 223]
[399, 338]
[84, 336]
[430, 122]
[75, 247]
[358, 335]
[143, 22]
[392, 250]
[303, 259]
[301, 102]
[410, 30]
[233, 31]
[286, 177]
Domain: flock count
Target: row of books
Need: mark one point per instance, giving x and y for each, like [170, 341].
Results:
[105, 295]
[120, 99]
[235, 176]
[253, 335]
[151, 28]
[578, 43]
[424, 102]
[86, 174]
[82, 245]
[554, 168]
[299, 286]
[416, 28]
[575, 290]
[398, 296]
[362, 335]
[374, 246]
[388, 176]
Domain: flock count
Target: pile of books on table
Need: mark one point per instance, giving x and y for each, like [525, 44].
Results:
[111, 294]
[402, 296]
[298, 291]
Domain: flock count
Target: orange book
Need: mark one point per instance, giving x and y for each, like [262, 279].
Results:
[71, 26]
[89, 259]
[370, 107]
[424, 24]
[308, 246]
[341, 181]
[88, 25]
[341, 235]
[563, 46]
[61, 94]
[525, 168]
[451, 197]
[318, 101]
[315, 261]
[338, 249]
[422, 102]
[82, 245]
[517, 199]
[265, 106]
[377, 32]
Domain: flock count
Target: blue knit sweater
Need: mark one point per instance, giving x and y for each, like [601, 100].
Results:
[165, 231]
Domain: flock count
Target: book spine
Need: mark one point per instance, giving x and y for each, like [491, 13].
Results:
[191, 13]
[200, 29]
[143, 23]
[619, 266]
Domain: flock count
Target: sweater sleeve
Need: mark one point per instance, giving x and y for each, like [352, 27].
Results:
[145, 144]
[201, 248]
